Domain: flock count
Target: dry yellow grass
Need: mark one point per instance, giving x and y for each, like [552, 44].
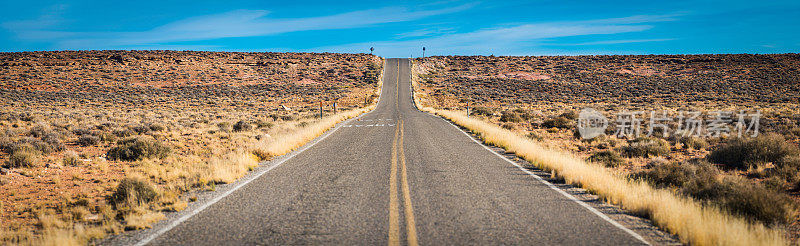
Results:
[210, 133]
[289, 141]
[690, 220]
[693, 222]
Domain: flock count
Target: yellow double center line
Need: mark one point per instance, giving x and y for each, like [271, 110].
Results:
[394, 206]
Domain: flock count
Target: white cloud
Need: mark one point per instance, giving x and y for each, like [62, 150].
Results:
[425, 32]
[239, 23]
[505, 40]
[621, 41]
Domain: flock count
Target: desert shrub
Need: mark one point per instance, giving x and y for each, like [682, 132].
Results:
[52, 143]
[788, 173]
[242, 126]
[124, 133]
[795, 131]
[108, 137]
[692, 142]
[224, 126]
[264, 124]
[507, 126]
[700, 180]
[570, 115]
[678, 174]
[754, 201]
[26, 156]
[26, 117]
[136, 149]
[481, 111]
[604, 142]
[510, 117]
[646, 147]
[88, 140]
[558, 122]
[287, 117]
[606, 157]
[38, 131]
[106, 126]
[140, 129]
[524, 114]
[132, 191]
[83, 131]
[534, 136]
[743, 153]
[6, 144]
[156, 127]
[71, 159]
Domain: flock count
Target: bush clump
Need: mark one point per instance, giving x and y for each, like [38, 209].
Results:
[607, 157]
[242, 126]
[71, 159]
[140, 129]
[510, 117]
[754, 201]
[570, 115]
[558, 122]
[26, 156]
[534, 136]
[744, 153]
[156, 127]
[646, 147]
[701, 180]
[48, 145]
[692, 142]
[481, 111]
[124, 133]
[88, 140]
[133, 149]
[677, 174]
[264, 124]
[133, 191]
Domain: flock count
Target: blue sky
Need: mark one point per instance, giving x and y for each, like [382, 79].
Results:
[401, 28]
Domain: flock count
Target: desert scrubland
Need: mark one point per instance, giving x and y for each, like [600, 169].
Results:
[98, 142]
[753, 178]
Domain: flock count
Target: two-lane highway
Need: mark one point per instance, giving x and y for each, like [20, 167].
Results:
[395, 176]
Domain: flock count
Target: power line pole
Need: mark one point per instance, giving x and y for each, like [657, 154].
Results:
[423, 51]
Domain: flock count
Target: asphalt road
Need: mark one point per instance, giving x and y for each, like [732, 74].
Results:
[395, 176]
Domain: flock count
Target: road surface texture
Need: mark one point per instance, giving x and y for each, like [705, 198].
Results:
[393, 176]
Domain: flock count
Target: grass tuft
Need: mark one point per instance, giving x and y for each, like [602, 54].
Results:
[745, 153]
[693, 222]
[133, 149]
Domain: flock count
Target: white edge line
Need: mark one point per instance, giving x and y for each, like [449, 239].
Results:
[197, 210]
[244, 182]
[540, 179]
[560, 191]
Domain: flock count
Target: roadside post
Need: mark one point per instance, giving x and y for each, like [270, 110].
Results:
[467, 109]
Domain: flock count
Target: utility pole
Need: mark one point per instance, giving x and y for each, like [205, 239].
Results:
[334, 107]
[467, 109]
[320, 109]
[423, 51]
